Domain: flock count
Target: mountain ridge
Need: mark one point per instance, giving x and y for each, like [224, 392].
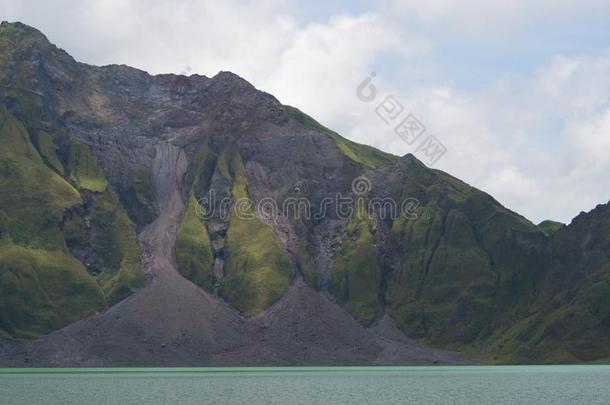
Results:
[139, 152]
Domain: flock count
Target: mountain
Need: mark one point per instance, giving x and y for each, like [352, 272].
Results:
[173, 220]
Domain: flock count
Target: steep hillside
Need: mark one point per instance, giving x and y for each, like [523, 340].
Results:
[67, 248]
[195, 220]
[569, 320]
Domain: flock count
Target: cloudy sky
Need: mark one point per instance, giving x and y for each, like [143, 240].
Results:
[518, 92]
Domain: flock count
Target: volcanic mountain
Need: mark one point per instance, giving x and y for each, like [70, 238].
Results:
[136, 229]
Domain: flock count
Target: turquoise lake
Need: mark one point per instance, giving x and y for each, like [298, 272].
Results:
[310, 385]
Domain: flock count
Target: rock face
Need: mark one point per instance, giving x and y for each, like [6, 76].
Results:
[245, 254]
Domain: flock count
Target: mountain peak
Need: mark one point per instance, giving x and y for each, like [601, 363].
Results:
[229, 76]
[28, 43]
[408, 161]
[18, 32]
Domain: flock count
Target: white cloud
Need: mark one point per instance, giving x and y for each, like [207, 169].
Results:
[576, 86]
[489, 15]
[325, 61]
[244, 36]
[592, 139]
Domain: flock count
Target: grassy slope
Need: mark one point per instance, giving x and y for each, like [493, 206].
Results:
[356, 276]
[574, 327]
[123, 273]
[43, 290]
[193, 245]
[83, 170]
[48, 151]
[45, 285]
[463, 273]
[443, 268]
[106, 234]
[101, 227]
[193, 249]
[258, 271]
[363, 154]
[33, 197]
[550, 227]
[570, 319]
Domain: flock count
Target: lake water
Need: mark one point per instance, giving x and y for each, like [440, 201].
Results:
[315, 385]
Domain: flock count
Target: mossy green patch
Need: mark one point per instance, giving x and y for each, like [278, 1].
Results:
[193, 245]
[39, 211]
[356, 276]
[48, 151]
[43, 287]
[550, 227]
[121, 274]
[461, 274]
[573, 328]
[417, 239]
[43, 290]
[102, 235]
[258, 270]
[363, 154]
[193, 249]
[224, 164]
[445, 277]
[83, 170]
[32, 197]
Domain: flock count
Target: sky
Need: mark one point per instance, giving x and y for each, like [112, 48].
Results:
[517, 93]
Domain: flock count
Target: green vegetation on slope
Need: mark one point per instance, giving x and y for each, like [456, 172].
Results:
[442, 269]
[101, 235]
[193, 249]
[549, 227]
[43, 286]
[417, 239]
[569, 318]
[43, 290]
[122, 273]
[259, 271]
[81, 168]
[356, 276]
[100, 232]
[193, 245]
[573, 328]
[32, 197]
[48, 151]
[465, 270]
[363, 154]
